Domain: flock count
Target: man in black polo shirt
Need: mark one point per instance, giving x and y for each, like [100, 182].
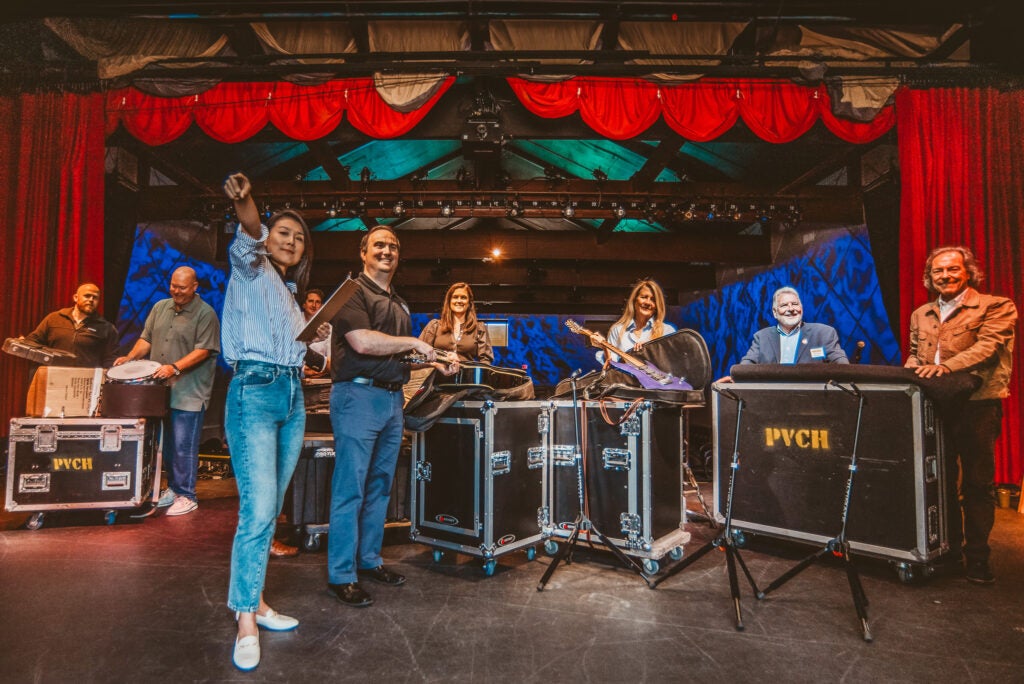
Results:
[80, 330]
[370, 335]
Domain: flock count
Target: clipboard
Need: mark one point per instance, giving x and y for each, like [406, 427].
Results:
[329, 310]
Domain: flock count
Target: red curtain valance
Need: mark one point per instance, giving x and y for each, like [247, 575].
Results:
[232, 112]
[777, 111]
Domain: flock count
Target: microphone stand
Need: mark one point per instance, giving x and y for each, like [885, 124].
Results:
[839, 546]
[726, 541]
[565, 553]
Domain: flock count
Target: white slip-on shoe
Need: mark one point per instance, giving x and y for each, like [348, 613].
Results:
[276, 622]
[246, 655]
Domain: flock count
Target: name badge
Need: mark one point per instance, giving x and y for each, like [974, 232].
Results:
[817, 352]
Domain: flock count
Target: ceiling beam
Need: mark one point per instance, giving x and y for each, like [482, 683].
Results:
[328, 159]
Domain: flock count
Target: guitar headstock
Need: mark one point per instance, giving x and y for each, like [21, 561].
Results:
[573, 325]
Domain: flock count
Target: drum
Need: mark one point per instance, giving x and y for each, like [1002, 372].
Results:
[131, 391]
[134, 373]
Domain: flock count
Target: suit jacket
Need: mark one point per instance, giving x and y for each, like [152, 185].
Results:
[813, 336]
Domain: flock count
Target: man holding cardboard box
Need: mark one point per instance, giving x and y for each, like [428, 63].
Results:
[80, 330]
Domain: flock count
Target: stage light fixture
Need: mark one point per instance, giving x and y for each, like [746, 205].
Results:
[619, 211]
[515, 209]
[398, 209]
[364, 174]
[568, 211]
[599, 175]
[446, 209]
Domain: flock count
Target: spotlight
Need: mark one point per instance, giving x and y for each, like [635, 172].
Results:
[496, 252]
[333, 211]
[619, 212]
[689, 213]
[398, 209]
[568, 211]
[514, 209]
[266, 211]
[446, 209]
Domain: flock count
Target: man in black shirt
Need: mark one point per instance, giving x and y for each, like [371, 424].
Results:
[80, 330]
[371, 333]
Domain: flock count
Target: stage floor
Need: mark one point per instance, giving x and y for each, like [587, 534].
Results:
[86, 602]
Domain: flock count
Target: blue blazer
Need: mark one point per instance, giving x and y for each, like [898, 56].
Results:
[813, 337]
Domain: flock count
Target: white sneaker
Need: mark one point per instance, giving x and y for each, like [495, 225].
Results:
[166, 498]
[246, 655]
[181, 506]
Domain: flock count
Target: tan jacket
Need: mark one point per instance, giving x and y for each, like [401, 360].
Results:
[977, 337]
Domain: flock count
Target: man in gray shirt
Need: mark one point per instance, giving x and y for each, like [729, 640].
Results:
[183, 334]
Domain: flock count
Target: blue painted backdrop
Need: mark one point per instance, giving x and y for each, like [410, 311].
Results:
[836, 279]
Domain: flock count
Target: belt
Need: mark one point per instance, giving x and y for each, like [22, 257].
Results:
[373, 382]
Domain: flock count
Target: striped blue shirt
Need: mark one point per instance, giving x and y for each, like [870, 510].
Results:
[261, 317]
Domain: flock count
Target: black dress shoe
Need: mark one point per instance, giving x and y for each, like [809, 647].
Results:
[979, 572]
[382, 574]
[350, 594]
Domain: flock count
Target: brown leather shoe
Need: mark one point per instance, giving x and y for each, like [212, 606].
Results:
[282, 550]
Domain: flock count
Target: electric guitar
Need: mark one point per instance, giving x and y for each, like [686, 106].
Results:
[650, 377]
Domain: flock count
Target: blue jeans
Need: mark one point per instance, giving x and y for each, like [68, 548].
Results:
[181, 450]
[265, 419]
[367, 423]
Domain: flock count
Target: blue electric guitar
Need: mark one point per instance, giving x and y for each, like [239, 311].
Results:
[648, 375]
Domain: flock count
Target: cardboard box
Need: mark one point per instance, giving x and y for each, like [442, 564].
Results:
[64, 392]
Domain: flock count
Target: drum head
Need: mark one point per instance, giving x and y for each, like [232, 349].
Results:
[133, 370]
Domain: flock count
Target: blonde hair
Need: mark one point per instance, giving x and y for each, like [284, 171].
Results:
[658, 327]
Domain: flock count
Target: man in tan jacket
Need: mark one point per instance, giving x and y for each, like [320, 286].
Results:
[969, 331]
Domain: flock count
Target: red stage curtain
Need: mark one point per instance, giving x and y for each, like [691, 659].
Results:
[619, 108]
[776, 111]
[961, 172]
[371, 115]
[51, 203]
[233, 112]
[704, 113]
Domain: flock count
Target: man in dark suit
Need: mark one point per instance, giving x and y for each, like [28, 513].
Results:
[793, 340]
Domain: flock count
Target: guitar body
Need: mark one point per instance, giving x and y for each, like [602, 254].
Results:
[472, 374]
[646, 374]
[666, 381]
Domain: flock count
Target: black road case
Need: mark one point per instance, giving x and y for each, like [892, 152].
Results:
[795, 444]
[81, 463]
[478, 479]
[307, 502]
[633, 471]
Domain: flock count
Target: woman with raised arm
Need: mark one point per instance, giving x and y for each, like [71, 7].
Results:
[264, 414]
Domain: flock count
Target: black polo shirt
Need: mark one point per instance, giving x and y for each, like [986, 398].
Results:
[370, 308]
[94, 342]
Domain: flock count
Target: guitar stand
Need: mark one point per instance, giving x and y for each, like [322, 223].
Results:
[728, 540]
[839, 546]
[567, 551]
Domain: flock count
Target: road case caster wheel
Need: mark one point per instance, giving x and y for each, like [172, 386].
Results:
[906, 573]
[651, 566]
[110, 517]
[35, 521]
[489, 567]
[531, 553]
[438, 555]
[550, 547]
[676, 553]
[311, 542]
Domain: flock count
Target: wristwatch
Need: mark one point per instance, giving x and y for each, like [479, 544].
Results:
[177, 371]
